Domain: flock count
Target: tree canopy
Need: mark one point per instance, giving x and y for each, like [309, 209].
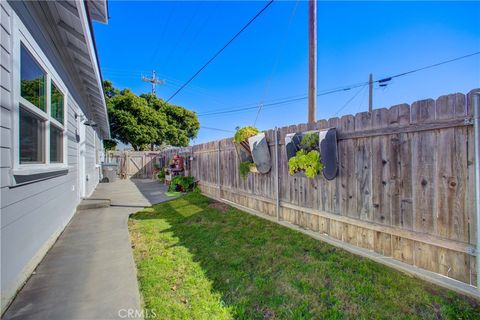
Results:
[146, 121]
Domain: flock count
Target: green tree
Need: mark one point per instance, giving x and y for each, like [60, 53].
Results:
[109, 89]
[109, 144]
[146, 121]
[182, 124]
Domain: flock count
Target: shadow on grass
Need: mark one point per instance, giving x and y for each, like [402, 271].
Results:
[261, 270]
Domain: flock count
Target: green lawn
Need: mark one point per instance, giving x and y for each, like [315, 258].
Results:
[198, 259]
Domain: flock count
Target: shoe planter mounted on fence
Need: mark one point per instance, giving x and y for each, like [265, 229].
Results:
[260, 152]
[252, 150]
[310, 152]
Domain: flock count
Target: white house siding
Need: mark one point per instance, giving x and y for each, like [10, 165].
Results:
[33, 215]
[5, 92]
[91, 167]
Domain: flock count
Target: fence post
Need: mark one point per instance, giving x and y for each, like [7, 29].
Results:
[277, 185]
[476, 128]
[218, 172]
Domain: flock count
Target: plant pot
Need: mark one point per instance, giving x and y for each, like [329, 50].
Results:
[329, 152]
[260, 152]
[327, 147]
[254, 169]
[293, 142]
[243, 152]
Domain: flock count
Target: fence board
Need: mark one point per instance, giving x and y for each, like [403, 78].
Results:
[348, 190]
[400, 169]
[363, 160]
[423, 166]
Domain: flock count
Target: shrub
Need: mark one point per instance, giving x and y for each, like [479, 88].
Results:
[182, 184]
[309, 163]
[197, 189]
[161, 174]
[244, 133]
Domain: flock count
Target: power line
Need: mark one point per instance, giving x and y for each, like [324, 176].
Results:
[426, 67]
[280, 49]
[350, 100]
[164, 29]
[217, 129]
[180, 38]
[284, 101]
[340, 89]
[220, 51]
[199, 30]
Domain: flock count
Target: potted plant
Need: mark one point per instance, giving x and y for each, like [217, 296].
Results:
[241, 142]
[182, 184]
[303, 152]
[312, 152]
[161, 175]
[252, 150]
[308, 163]
[243, 149]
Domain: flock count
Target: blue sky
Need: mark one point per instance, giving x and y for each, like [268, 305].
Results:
[269, 60]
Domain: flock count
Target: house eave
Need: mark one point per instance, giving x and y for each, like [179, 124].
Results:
[92, 51]
[98, 10]
[72, 22]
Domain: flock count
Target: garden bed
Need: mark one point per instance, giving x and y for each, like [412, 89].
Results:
[195, 262]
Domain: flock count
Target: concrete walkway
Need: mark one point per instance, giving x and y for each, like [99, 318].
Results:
[89, 273]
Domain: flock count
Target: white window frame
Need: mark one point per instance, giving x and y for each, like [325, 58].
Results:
[21, 36]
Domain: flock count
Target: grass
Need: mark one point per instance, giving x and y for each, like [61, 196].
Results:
[173, 193]
[198, 259]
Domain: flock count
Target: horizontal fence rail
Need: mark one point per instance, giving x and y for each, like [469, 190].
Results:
[405, 187]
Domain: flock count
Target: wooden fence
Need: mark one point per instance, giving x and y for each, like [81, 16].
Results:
[134, 164]
[405, 187]
[141, 164]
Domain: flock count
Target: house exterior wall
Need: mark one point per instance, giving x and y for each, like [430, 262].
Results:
[33, 215]
[92, 161]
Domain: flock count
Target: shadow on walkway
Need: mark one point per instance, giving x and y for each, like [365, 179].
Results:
[152, 190]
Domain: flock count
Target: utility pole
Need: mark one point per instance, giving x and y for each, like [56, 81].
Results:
[154, 81]
[370, 93]
[312, 60]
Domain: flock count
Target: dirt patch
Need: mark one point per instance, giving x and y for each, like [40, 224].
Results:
[268, 313]
[220, 206]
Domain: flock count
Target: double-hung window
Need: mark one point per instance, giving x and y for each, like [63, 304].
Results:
[41, 119]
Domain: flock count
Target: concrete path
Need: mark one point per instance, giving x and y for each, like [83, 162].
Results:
[89, 273]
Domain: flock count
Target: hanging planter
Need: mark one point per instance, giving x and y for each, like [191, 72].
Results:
[329, 152]
[260, 153]
[311, 152]
[252, 150]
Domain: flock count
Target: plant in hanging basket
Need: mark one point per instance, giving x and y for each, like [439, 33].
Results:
[306, 162]
[243, 149]
[245, 168]
[244, 133]
[309, 141]
[306, 158]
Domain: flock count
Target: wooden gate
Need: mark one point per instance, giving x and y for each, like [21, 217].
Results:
[135, 164]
